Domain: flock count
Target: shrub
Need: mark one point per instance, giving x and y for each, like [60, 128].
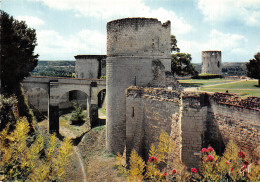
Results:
[7, 111]
[77, 117]
[234, 165]
[162, 165]
[22, 162]
[23, 159]
[207, 76]
[136, 167]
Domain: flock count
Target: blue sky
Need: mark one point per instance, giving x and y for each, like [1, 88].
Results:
[66, 28]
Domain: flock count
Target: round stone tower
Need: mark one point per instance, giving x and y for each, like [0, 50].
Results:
[211, 62]
[138, 53]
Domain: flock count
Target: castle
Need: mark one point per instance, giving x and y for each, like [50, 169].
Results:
[140, 105]
[143, 98]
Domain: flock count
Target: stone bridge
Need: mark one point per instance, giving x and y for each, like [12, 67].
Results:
[56, 87]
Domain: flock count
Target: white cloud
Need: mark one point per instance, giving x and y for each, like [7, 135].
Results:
[178, 24]
[247, 11]
[51, 45]
[224, 41]
[115, 9]
[233, 46]
[31, 21]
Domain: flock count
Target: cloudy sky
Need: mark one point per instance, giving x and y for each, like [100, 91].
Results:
[66, 28]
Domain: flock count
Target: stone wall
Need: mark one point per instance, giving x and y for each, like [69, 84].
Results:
[38, 97]
[90, 66]
[230, 117]
[195, 120]
[149, 112]
[211, 62]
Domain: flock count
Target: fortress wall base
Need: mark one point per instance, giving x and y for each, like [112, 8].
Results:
[202, 122]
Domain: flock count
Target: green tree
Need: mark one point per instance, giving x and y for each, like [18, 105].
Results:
[174, 47]
[181, 62]
[181, 65]
[17, 52]
[253, 68]
[77, 117]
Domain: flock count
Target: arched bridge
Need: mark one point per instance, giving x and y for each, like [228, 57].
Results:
[56, 87]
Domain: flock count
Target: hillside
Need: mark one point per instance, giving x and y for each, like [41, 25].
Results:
[55, 68]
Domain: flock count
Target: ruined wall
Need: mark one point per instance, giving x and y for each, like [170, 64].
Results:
[230, 117]
[204, 119]
[138, 53]
[148, 112]
[211, 62]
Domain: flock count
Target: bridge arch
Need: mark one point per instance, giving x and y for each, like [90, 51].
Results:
[57, 87]
[101, 97]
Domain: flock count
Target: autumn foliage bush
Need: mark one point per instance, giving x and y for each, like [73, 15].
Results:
[24, 159]
[234, 165]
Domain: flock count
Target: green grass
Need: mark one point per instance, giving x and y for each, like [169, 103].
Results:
[102, 110]
[202, 82]
[64, 121]
[244, 88]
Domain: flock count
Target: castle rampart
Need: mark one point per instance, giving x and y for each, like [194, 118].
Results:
[194, 120]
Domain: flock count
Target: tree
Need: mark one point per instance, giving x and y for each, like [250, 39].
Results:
[17, 52]
[174, 47]
[181, 65]
[181, 62]
[22, 159]
[253, 68]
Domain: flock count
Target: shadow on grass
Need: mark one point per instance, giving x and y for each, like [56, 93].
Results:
[191, 84]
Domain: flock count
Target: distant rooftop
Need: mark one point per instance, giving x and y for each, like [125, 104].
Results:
[89, 56]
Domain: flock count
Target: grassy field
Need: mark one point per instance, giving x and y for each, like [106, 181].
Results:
[244, 88]
[203, 82]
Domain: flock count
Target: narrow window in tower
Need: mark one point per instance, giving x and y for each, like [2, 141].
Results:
[81, 75]
[133, 112]
[218, 64]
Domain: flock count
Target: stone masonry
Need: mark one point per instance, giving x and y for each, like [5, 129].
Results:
[90, 66]
[204, 120]
[138, 53]
[211, 62]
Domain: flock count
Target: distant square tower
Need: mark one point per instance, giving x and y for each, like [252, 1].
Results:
[211, 62]
[90, 66]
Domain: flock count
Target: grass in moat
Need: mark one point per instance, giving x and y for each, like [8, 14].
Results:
[72, 131]
[203, 82]
[100, 164]
[244, 87]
